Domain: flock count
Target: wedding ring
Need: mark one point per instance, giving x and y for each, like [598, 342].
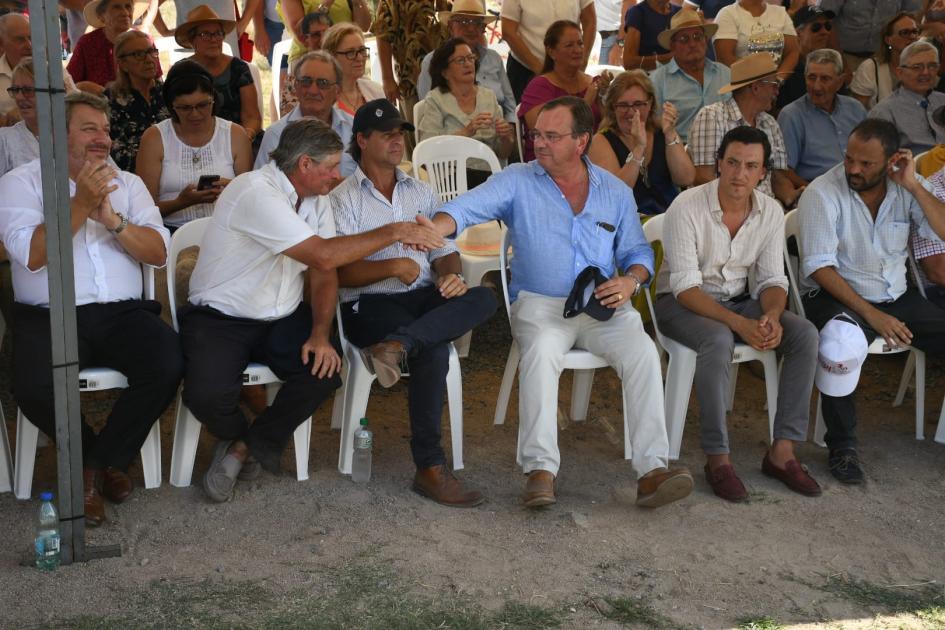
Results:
[619, 296]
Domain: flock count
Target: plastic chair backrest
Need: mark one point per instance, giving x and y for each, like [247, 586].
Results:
[792, 229]
[279, 50]
[444, 158]
[188, 235]
[594, 69]
[653, 231]
[518, 132]
[257, 83]
[418, 109]
[504, 271]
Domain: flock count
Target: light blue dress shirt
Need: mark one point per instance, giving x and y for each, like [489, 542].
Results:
[491, 74]
[672, 84]
[816, 140]
[837, 230]
[341, 124]
[553, 245]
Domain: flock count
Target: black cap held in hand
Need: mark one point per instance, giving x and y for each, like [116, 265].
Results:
[582, 298]
[379, 114]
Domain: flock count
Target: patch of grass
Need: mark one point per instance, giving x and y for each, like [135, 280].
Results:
[631, 611]
[758, 623]
[527, 617]
[925, 600]
[933, 617]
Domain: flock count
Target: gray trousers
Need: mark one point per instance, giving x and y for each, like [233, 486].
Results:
[714, 342]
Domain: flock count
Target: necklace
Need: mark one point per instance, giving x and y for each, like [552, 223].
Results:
[355, 102]
[196, 157]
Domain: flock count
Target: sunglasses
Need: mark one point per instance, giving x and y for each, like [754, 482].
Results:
[25, 90]
[685, 39]
[140, 55]
[321, 84]
[816, 27]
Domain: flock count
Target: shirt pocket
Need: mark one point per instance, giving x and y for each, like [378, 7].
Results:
[894, 236]
[600, 244]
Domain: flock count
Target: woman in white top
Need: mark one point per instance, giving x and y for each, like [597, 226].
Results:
[751, 26]
[191, 145]
[874, 79]
[345, 42]
[19, 143]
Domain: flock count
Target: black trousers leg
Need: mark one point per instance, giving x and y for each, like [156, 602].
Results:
[519, 76]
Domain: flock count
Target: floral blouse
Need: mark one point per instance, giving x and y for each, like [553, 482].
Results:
[130, 116]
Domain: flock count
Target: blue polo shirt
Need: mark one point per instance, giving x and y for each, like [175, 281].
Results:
[672, 84]
[817, 140]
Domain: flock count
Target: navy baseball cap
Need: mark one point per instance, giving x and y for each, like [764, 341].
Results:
[379, 114]
[811, 13]
[582, 298]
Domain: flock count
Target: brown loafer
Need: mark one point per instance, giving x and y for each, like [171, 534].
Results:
[437, 483]
[94, 504]
[725, 483]
[385, 359]
[658, 487]
[116, 485]
[794, 475]
[539, 489]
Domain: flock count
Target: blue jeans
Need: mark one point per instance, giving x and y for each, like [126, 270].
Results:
[274, 30]
[606, 44]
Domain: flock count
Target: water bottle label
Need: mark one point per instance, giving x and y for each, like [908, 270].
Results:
[365, 441]
[47, 546]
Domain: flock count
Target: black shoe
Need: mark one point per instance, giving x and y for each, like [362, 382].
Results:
[844, 465]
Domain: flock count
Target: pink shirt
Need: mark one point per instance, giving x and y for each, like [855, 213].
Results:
[538, 92]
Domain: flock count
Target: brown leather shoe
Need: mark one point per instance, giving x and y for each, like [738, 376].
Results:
[725, 483]
[438, 484]
[660, 487]
[794, 475]
[116, 485]
[539, 489]
[385, 359]
[94, 504]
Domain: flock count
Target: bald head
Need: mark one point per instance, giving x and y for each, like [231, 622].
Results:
[15, 37]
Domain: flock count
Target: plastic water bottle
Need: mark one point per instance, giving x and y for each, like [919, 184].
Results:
[363, 441]
[47, 534]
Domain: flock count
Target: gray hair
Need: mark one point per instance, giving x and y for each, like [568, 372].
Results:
[9, 17]
[318, 55]
[25, 67]
[85, 98]
[306, 136]
[825, 55]
[914, 49]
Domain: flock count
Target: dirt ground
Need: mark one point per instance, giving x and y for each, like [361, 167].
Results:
[330, 553]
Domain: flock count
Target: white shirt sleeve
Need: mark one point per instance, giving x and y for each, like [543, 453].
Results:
[276, 229]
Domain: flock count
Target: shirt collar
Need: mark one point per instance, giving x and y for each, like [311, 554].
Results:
[279, 178]
[730, 107]
[712, 198]
[593, 175]
[365, 182]
[910, 95]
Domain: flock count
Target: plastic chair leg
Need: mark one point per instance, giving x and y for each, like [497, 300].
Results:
[940, 431]
[454, 394]
[184, 451]
[904, 381]
[26, 436]
[338, 406]
[303, 439]
[680, 371]
[151, 457]
[919, 393]
[732, 382]
[505, 390]
[770, 362]
[6, 457]
[581, 384]
[357, 390]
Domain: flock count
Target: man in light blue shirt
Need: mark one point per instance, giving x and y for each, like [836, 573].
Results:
[317, 76]
[817, 125]
[854, 247]
[564, 214]
[469, 25]
[689, 81]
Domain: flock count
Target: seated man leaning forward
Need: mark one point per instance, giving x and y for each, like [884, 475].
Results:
[116, 228]
[854, 245]
[271, 230]
[717, 235]
[400, 303]
[566, 215]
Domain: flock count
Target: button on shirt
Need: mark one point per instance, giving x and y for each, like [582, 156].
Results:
[360, 207]
[912, 115]
[860, 22]
[672, 84]
[815, 139]
[553, 245]
[491, 74]
[837, 230]
[104, 271]
[241, 270]
[340, 123]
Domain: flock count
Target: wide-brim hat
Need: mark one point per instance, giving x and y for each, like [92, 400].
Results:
[472, 8]
[201, 14]
[90, 12]
[683, 19]
[752, 68]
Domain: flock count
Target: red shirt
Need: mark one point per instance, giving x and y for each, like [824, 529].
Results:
[94, 59]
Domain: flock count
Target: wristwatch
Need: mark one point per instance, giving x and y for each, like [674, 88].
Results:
[121, 225]
[639, 286]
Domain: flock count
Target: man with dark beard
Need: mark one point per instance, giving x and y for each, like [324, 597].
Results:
[854, 239]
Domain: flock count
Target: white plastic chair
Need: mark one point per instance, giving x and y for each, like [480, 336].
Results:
[91, 379]
[518, 132]
[351, 401]
[681, 367]
[581, 361]
[186, 426]
[6, 456]
[598, 68]
[792, 230]
[279, 50]
[418, 109]
[257, 83]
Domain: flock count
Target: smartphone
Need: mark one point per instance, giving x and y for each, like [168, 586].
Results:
[207, 181]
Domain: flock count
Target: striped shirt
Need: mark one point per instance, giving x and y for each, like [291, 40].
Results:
[359, 207]
[925, 247]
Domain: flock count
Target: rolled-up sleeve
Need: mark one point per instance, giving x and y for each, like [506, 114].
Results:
[486, 202]
[631, 247]
[680, 253]
[21, 213]
[917, 215]
[819, 239]
[703, 137]
[769, 269]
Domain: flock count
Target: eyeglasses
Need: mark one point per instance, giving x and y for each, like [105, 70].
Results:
[200, 108]
[315, 34]
[919, 67]
[817, 26]
[210, 35]
[354, 53]
[776, 82]
[140, 55]
[321, 84]
[464, 61]
[464, 22]
[908, 33]
[621, 107]
[692, 37]
[550, 137]
[25, 90]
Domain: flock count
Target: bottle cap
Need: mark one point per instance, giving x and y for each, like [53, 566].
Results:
[363, 422]
[46, 496]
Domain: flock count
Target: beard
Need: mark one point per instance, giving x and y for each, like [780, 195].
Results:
[859, 183]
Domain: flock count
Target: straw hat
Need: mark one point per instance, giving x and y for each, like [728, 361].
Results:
[201, 14]
[682, 19]
[472, 8]
[90, 12]
[749, 69]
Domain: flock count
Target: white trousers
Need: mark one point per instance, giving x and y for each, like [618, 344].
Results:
[544, 336]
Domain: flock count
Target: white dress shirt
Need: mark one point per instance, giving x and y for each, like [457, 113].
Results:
[241, 270]
[104, 271]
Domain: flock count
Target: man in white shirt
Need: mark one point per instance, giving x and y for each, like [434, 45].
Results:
[717, 237]
[403, 305]
[270, 231]
[16, 44]
[317, 76]
[116, 228]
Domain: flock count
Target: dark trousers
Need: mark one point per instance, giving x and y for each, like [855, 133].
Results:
[924, 319]
[519, 76]
[936, 295]
[127, 336]
[217, 349]
[425, 323]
